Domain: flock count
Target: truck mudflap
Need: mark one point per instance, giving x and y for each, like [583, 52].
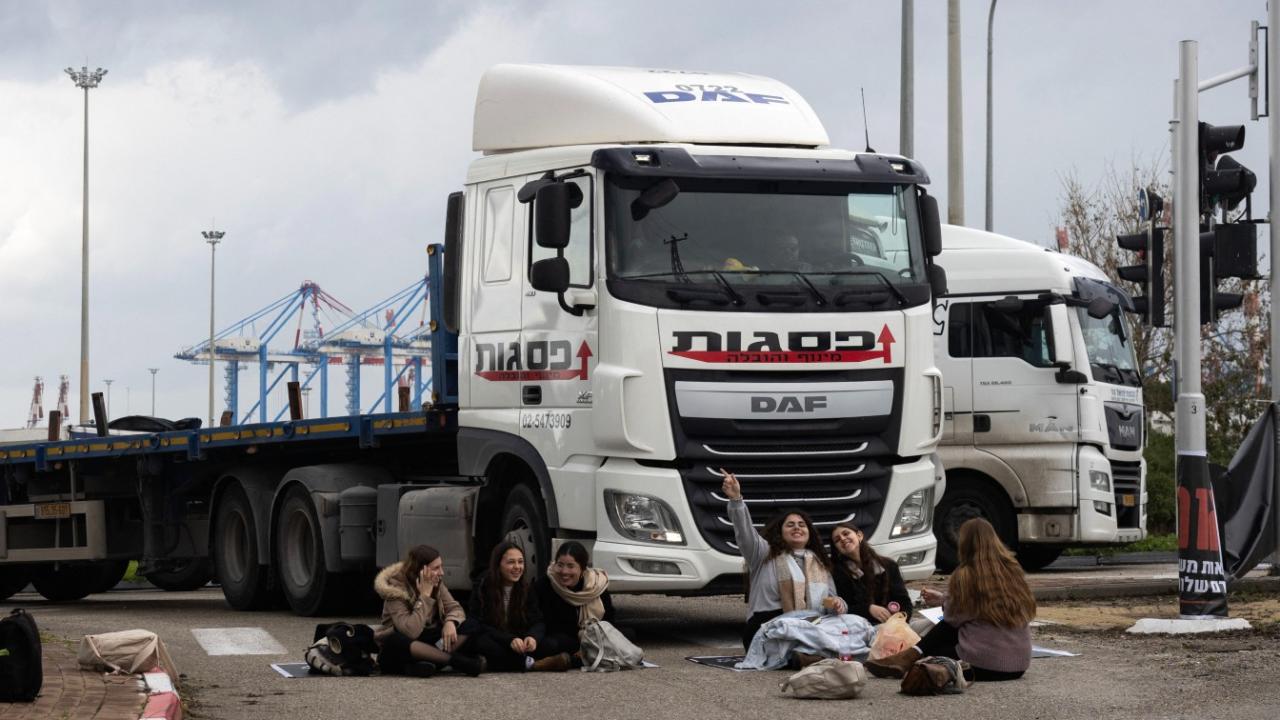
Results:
[53, 531]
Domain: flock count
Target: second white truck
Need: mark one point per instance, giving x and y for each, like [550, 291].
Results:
[1044, 426]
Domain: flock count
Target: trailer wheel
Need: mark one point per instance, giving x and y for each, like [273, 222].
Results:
[246, 584]
[308, 586]
[109, 574]
[190, 574]
[12, 579]
[67, 582]
[964, 502]
[524, 524]
[1038, 557]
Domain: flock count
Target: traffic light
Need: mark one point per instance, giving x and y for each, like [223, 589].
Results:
[1226, 251]
[1149, 244]
[1222, 179]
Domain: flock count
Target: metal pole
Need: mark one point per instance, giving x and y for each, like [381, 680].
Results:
[1273, 226]
[212, 237]
[955, 122]
[108, 384]
[84, 275]
[906, 92]
[991, 16]
[153, 389]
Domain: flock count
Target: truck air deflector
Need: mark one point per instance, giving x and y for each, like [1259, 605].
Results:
[648, 163]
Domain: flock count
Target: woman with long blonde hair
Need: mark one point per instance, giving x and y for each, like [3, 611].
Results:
[987, 612]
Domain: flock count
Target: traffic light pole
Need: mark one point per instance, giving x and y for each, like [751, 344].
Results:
[1201, 582]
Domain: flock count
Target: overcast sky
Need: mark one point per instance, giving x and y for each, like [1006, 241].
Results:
[324, 135]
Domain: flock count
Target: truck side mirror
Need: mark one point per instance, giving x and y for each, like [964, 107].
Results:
[550, 275]
[1100, 307]
[937, 280]
[1060, 339]
[453, 261]
[930, 225]
[551, 210]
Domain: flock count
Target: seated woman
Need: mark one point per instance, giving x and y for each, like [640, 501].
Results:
[870, 584]
[570, 594]
[417, 613]
[987, 612]
[507, 609]
[787, 566]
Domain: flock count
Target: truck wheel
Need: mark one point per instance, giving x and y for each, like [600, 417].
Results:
[191, 574]
[245, 583]
[67, 582]
[523, 523]
[12, 579]
[109, 574]
[962, 503]
[308, 586]
[1038, 557]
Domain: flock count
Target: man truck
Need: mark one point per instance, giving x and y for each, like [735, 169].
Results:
[648, 276]
[1044, 423]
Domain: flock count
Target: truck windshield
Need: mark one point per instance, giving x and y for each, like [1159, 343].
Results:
[808, 247]
[1110, 347]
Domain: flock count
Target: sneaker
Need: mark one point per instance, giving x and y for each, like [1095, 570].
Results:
[893, 666]
[420, 668]
[468, 664]
[553, 663]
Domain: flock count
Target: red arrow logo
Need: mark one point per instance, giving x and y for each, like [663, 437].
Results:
[584, 352]
[886, 344]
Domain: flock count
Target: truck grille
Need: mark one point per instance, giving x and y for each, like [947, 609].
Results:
[1126, 479]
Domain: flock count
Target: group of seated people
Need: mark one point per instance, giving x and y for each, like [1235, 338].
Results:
[514, 625]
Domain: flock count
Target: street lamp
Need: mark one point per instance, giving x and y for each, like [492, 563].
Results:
[213, 237]
[153, 372]
[85, 80]
[108, 382]
[991, 17]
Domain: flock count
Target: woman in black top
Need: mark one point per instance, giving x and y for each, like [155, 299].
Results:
[508, 611]
[870, 584]
[569, 594]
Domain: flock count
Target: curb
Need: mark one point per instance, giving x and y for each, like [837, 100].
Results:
[163, 702]
[1143, 587]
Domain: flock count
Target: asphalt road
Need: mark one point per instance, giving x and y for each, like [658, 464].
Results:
[1115, 675]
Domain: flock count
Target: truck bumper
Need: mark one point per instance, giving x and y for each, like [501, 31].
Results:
[693, 567]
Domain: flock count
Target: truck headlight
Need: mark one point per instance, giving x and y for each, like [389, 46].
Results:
[1099, 480]
[641, 517]
[915, 514]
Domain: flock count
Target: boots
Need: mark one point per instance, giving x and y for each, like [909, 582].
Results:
[472, 665]
[420, 668]
[559, 662]
[895, 665]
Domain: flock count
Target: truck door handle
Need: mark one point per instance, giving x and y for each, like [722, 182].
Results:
[981, 423]
[531, 394]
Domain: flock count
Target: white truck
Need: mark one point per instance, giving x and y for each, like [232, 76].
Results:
[1044, 417]
[649, 275]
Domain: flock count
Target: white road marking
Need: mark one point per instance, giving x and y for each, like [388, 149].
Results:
[237, 641]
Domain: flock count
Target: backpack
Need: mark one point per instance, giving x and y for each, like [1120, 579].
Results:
[936, 675]
[342, 649]
[827, 679]
[605, 648]
[21, 674]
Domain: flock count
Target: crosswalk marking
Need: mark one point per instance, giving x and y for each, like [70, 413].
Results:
[237, 641]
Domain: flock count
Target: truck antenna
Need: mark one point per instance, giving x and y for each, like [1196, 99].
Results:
[866, 131]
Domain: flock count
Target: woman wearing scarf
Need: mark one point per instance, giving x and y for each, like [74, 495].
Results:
[870, 584]
[787, 566]
[570, 594]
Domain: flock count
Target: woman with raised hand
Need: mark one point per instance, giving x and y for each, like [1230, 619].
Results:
[417, 613]
[987, 612]
[571, 594]
[787, 566]
[869, 583]
[507, 609]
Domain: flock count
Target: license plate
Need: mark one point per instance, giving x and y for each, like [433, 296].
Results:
[53, 511]
[1128, 500]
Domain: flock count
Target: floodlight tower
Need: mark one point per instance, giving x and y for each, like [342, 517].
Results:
[213, 237]
[85, 79]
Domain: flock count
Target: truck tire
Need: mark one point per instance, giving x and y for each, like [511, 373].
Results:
[67, 582]
[246, 584]
[524, 524]
[308, 586]
[110, 573]
[1038, 557]
[963, 502]
[187, 575]
[12, 579]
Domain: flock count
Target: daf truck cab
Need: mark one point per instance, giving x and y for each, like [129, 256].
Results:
[663, 274]
[1044, 417]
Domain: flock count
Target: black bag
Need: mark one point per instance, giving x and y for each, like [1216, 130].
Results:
[342, 649]
[21, 674]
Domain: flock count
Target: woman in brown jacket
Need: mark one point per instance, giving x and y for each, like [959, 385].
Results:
[418, 612]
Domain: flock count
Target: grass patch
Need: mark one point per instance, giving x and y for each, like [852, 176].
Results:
[1152, 543]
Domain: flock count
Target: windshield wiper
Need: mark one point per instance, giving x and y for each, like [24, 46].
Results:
[822, 300]
[902, 299]
[682, 276]
[733, 294]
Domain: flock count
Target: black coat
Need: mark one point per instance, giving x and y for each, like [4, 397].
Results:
[560, 617]
[533, 625]
[854, 591]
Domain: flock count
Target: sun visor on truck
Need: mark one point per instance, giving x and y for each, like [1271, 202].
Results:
[536, 106]
[668, 162]
[1088, 289]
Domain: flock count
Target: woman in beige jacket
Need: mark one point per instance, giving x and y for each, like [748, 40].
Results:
[423, 627]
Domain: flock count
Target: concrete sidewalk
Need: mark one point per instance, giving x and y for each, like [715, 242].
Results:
[69, 692]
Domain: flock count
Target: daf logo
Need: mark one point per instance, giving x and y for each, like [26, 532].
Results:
[788, 403]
